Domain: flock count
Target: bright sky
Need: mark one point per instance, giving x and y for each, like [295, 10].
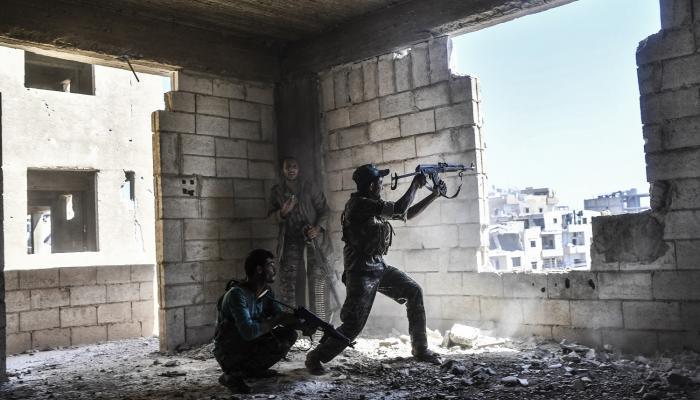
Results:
[560, 97]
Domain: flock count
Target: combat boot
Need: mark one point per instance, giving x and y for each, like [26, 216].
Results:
[426, 355]
[313, 364]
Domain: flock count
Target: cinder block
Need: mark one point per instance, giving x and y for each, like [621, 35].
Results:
[201, 229]
[463, 88]
[191, 83]
[675, 13]
[525, 285]
[231, 148]
[355, 84]
[216, 187]
[337, 160]
[370, 154]
[680, 225]
[165, 121]
[471, 235]
[199, 335]
[249, 188]
[352, 137]
[228, 89]
[179, 101]
[423, 260]
[439, 50]
[244, 130]
[460, 114]
[631, 341]
[681, 72]
[384, 129]
[182, 273]
[417, 123]
[124, 330]
[596, 314]
[424, 237]
[656, 108]
[650, 78]
[197, 145]
[234, 230]
[142, 311]
[268, 127]
[624, 286]
[170, 244]
[402, 72]
[432, 96]
[78, 316]
[420, 65]
[200, 315]
[688, 252]
[461, 308]
[397, 104]
[652, 315]
[505, 311]
[677, 342]
[88, 335]
[11, 280]
[212, 105]
[198, 165]
[587, 337]
[340, 85]
[201, 250]
[676, 285]
[364, 112]
[250, 208]
[38, 278]
[580, 285]
[337, 119]
[146, 291]
[12, 322]
[385, 75]
[369, 78]
[17, 300]
[665, 45]
[231, 168]
[546, 312]
[327, 93]
[123, 292]
[77, 276]
[213, 126]
[182, 295]
[37, 320]
[260, 94]
[448, 141]
[443, 283]
[49, 298]
[261, 170]
[244, 110]
[690, 315]
[458, 212]
[18, 342]
[114, 312]
[399, 149]
[167, 151]
[114, 274]
[84, 295]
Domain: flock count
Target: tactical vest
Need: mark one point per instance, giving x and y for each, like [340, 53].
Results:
[371, 237]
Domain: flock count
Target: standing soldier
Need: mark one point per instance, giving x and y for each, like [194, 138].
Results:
[367, 235]
[301, 211]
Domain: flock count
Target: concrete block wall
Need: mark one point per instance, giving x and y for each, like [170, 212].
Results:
[214, 163]
[399, 110]
[72, 306]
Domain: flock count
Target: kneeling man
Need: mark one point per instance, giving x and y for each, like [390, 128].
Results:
[252, 333]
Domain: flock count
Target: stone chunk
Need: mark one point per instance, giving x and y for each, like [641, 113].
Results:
[463, 335]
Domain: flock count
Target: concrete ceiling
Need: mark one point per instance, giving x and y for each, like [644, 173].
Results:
[272, 20]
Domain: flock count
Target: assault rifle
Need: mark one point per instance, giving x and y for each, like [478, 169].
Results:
[433, 171]
[310, 323]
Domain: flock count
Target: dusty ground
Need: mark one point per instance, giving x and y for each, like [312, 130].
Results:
[377, 369]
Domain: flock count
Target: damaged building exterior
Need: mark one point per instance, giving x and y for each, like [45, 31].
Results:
[366, 82]
[77, 201]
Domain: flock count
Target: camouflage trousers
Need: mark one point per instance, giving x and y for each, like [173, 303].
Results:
[362, 288]
[257, 355]
[295, 276]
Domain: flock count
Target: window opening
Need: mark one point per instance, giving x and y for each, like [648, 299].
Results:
[127, 190]
[50, 73]
[61, 212]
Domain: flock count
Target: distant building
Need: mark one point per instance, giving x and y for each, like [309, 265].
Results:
[620, 202]
[529, 231]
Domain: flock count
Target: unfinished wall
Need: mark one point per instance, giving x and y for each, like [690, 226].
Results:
[397, 111]
[213, 160]
[71, 306]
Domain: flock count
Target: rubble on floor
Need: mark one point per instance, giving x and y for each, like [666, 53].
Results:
[375, 369]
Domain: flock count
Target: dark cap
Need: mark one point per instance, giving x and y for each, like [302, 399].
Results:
[368, 173]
